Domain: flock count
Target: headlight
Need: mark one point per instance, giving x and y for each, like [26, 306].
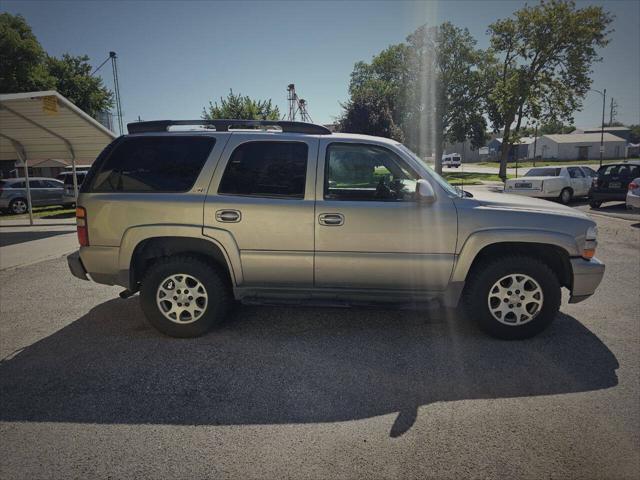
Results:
[590, 243]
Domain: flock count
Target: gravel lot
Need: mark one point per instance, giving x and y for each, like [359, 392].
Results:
[89, 390]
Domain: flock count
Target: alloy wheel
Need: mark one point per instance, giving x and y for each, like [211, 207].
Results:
[515, 299]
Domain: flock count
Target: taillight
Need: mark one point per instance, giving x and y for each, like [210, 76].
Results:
[632, 186]
[594, 182]
[81, 223]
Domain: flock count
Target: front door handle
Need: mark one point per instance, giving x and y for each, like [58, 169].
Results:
[331, 219]
[228, 216]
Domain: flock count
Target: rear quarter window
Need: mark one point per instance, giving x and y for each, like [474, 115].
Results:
[151, 164]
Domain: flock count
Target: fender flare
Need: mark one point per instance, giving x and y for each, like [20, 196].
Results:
[481, 239]
[222, 239]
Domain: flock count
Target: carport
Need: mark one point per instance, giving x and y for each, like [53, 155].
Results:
[37, 126]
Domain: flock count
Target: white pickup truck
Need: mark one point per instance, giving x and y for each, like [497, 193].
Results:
[562, 183]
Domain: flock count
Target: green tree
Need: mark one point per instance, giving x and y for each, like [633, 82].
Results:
[427, 91]
[555, 127]
[449, 87]
[635, 134]
[368, 112]
[22, 58]
[73, 79]
[237, 106]
[545, 55]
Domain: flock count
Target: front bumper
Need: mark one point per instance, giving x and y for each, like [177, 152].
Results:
[587, 275]
[76, 266]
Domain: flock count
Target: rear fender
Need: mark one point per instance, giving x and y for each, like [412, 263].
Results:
[221, 238]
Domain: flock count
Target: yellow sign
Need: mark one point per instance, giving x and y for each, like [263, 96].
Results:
[50, 105]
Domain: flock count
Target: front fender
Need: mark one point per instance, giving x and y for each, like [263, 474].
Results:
[481, 239]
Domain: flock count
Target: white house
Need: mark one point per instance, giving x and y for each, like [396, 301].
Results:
[578, 146]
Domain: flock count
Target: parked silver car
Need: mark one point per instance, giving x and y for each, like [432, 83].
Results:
[193, 220]
[44, 192]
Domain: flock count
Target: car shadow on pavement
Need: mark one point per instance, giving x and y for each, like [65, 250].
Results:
[275, 365]
[13, 238]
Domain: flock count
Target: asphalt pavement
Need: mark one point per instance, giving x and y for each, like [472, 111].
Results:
[89, 390]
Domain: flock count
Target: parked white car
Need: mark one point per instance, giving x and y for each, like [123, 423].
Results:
[633, 194]
[451, 160]
[563, 183]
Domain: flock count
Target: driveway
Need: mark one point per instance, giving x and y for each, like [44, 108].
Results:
[89, 390]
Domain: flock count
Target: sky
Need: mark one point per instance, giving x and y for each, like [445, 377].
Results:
[175, 57]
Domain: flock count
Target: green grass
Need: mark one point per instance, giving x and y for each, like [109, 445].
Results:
[52, 212]
[471, 178]
[546, 163]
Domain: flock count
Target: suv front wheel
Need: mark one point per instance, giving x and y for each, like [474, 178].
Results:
[183, 296]
[512, 298]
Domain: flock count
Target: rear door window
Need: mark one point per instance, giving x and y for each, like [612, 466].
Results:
[575, 172]
[266, 169]
[152, 164]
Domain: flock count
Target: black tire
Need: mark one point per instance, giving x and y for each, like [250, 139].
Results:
[14, 206]
[214, 281]
[565, 196]
[595, 203]
[485, 275]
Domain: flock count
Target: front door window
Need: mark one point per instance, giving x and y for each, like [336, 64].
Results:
[367, 173]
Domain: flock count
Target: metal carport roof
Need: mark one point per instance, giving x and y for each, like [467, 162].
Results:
[45, 125]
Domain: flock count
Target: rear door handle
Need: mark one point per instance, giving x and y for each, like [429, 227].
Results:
[228, 216]
[331, 219]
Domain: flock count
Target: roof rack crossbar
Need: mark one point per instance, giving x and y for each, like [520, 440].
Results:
[226, 125]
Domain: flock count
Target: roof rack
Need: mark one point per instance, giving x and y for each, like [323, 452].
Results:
[226, 125]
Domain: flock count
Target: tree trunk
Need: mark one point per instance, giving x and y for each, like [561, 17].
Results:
[504, 152]
[439, 141]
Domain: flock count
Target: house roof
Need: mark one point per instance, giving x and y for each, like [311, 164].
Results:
[522, 141]
[583, 138]
[44, 125]
[606, 129]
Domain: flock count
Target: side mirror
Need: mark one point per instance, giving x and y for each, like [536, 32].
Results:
[425, 192]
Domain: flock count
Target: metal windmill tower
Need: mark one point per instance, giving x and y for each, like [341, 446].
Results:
[297, 105]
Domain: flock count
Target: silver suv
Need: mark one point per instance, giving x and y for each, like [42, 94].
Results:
[239, 210]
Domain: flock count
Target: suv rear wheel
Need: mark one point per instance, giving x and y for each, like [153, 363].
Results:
[183, 296]
[512, 298]
[18, 206]
[565, 196]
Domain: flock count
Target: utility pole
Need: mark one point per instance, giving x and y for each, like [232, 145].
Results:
[535, 144]
[604, 103]
[604, 100]
[613, 111]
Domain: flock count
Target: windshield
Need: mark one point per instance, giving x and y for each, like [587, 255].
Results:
[543, 172]
[441, 181]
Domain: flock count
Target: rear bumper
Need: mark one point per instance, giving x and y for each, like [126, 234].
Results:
[633, 201]
[606, 196]
[530, 192]
[76, 266]
[587, 275]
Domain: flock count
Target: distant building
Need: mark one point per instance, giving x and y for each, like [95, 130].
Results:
[622, 132]
[519, 150]
[578, 146]
[467, 153]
